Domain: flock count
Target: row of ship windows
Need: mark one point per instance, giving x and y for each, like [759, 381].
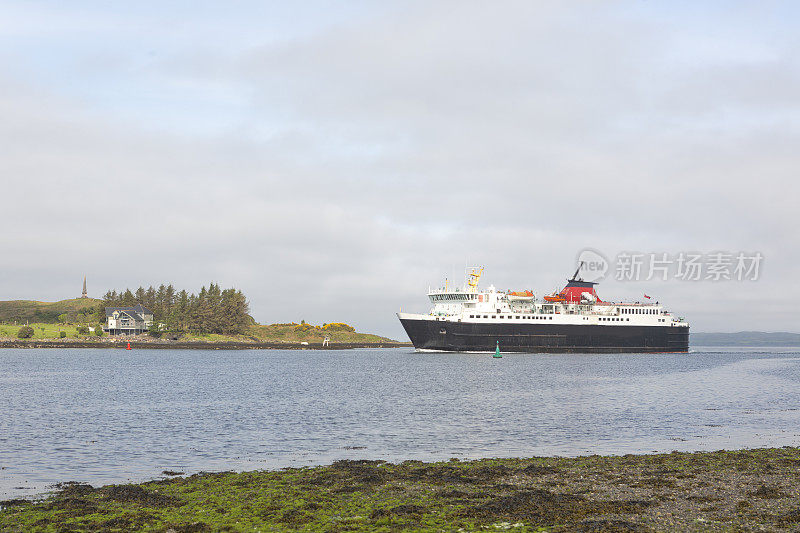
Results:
[535, 317]
[620, 319]
[638, 311]
[442, 297]
[511, 317]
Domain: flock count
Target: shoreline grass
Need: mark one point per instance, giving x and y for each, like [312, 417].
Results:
[288, 333]
[43, 331]
[745, 490]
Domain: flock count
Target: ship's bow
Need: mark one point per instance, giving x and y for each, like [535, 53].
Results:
[418, 330]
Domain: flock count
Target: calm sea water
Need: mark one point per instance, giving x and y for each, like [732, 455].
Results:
[109, 416]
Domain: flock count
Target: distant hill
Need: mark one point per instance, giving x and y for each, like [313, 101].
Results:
[45, 312]
[745, 338]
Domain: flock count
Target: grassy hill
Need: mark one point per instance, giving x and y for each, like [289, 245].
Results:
[306, 332]
[21, 311]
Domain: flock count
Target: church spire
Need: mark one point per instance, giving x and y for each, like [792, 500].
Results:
[84, 294]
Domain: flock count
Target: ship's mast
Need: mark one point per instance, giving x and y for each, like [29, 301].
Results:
[473, 276]
[575, 275]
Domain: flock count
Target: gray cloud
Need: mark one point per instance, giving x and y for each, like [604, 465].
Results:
[356, 165]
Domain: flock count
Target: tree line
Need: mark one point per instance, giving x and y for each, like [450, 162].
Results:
[212, 310]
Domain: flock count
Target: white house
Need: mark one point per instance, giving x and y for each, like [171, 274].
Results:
[128, 320]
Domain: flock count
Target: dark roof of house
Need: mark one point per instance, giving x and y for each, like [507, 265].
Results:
[137, 312]
[124, 311]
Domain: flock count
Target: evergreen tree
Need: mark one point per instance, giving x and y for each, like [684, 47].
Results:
[127, 299]
[150, 299]
[160, 303]
[182, 308]
[169, 303]
[140, 296]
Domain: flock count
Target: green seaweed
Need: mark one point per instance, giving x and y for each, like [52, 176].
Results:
[742, 490]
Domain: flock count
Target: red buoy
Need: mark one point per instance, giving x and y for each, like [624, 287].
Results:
[128, 347]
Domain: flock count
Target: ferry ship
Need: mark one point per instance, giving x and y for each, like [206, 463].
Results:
[468, 319]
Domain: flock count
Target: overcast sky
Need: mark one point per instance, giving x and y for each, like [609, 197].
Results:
[332, 160]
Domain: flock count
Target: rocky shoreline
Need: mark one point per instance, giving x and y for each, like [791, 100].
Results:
[160, 344]
[744, 490]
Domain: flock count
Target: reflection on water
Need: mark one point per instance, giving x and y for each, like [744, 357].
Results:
[104, 416]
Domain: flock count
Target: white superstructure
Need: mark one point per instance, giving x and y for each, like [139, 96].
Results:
[576, 304]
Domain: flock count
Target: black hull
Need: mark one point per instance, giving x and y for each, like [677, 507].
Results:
[544, 338]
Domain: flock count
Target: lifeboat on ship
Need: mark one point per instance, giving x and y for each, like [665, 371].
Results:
[520, 296]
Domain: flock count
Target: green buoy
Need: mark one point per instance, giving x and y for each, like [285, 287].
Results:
[497, 351]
